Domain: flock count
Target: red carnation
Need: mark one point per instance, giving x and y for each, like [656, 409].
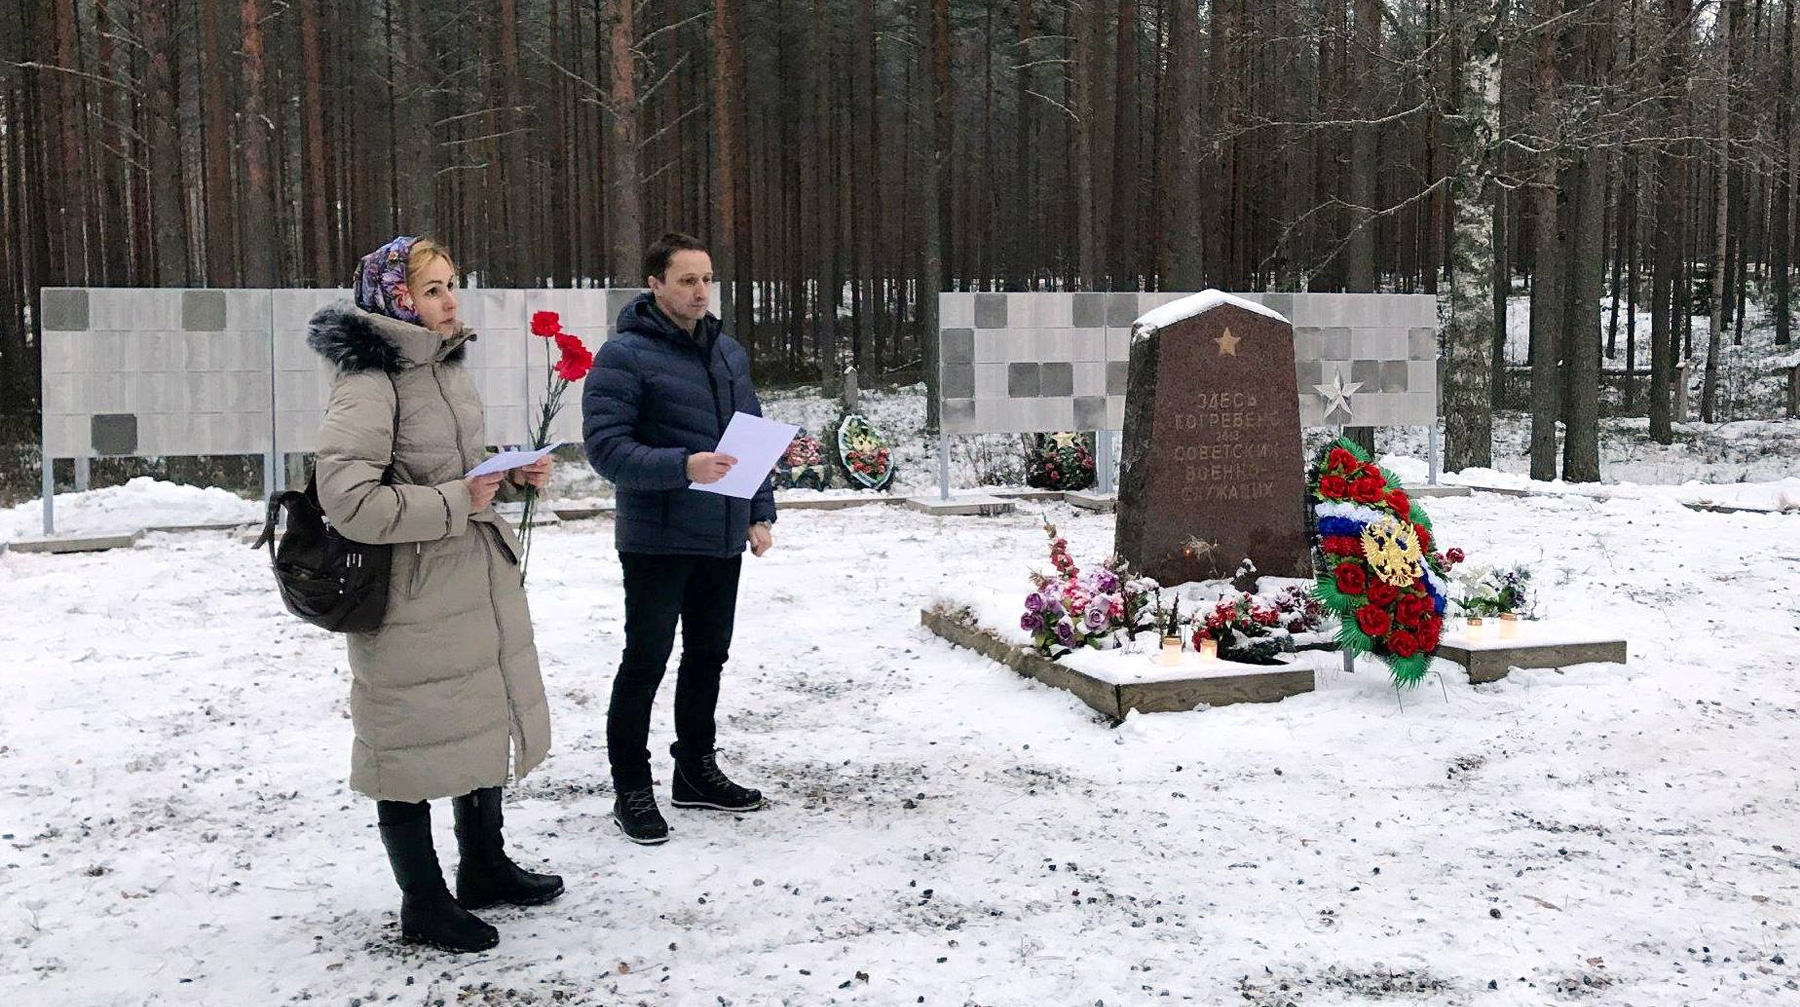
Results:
[1397, 500]
[1373, 470]
[1403, 644]
[1411, 610]
[1350, 578]
[1340, 459]
[1341, 545]
[1374, 621]
[1334, 487]
[1382, 593]
[1424, 535]
[545, 323]
[1367, 490]
[1454, 556]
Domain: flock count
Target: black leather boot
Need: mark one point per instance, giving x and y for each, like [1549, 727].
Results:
[700, 783]
[636, 814]
[428, 915]
[485, 875]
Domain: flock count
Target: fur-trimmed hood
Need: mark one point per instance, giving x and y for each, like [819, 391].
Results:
[356, 340]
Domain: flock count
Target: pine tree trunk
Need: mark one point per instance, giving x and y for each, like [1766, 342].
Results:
[933, 75]
[1547, 259]
[1359, 249]
[312, 105]
[1709, 386]
[1122, 255]
[1468, 397]
[1781, 235]
[1183, 266]
[1671, 194]
[625, 195]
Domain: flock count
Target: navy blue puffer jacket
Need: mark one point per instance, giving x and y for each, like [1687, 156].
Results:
[655, 396]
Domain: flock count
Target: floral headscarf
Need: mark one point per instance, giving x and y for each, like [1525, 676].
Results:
[378, 277]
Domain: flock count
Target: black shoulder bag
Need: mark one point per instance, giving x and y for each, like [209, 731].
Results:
[325, 578]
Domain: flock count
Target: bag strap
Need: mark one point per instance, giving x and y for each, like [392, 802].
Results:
[310, 495]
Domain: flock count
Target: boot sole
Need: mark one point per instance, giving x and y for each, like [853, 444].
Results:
[708, 806]
[489, 904]
[633, 839]
[441, 946]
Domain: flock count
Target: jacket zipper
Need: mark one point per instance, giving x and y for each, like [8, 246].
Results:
[512, 708]
[712, 384]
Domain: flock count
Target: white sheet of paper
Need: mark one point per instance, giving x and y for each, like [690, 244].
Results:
[757, 444]
[506, 460]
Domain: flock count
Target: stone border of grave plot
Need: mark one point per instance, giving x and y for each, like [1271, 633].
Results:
[1492, 663]
[1112, 700]
[1699, 506]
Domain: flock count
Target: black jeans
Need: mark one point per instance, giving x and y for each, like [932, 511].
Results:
[700, 591]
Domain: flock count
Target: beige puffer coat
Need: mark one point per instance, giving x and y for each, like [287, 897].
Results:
[446, 695]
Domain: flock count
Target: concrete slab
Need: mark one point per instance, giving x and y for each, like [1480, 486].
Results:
[1438, 492]
[1102, 503]
[1532, 644]
[61, 544]
[1115, 700]
[966, 505]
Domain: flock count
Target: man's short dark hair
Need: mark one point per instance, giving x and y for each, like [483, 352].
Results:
[656, 260]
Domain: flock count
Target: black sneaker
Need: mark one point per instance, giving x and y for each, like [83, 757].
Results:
[635, 811]
[699, 783]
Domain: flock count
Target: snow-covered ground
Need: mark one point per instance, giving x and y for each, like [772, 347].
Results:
[177, 829]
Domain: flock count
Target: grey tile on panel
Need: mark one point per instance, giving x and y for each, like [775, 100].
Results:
[1058, 379]
[1393, 376]
[1121, 309]
[1308, 373]
[1023, 380]
[956, 311]
[1090, 311]
[1118, 374]
[1421, 344]
[958, 381]
[1334, 344]
[958, 346]
[1090, 412]
[990, 311]
[65, 310]
[959, 415]
[114, 433]
[203, 310]
[1366, 373]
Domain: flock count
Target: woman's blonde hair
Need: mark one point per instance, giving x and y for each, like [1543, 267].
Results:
[423, 253]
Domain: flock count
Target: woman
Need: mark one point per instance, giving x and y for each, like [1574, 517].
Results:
[445, 697]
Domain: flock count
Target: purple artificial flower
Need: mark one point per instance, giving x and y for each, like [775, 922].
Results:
[1095, 618]
[1052, 608]
[1065, 632]
[1031, 622]
[1034, 602]
[1108, 582]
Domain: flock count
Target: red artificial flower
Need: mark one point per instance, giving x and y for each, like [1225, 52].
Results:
[1397, 500]
[1403, 644]
[1373, 471]
[1411, 610]
[1367, 490]
[1351, 579]
[1200, 634]
[545, 323]
[1429, 632]
[1339, 458]
[1265, 616]
[1424, 535]
[1382, 593]
[1341, 545]
[1373, 621]
[1455, 556]
[1334, 487]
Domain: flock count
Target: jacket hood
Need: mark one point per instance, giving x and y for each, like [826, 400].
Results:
[356, 340]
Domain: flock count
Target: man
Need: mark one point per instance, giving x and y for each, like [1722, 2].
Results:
[654, 408]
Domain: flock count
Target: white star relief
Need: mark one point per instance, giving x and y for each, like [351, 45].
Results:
[1337, 395]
